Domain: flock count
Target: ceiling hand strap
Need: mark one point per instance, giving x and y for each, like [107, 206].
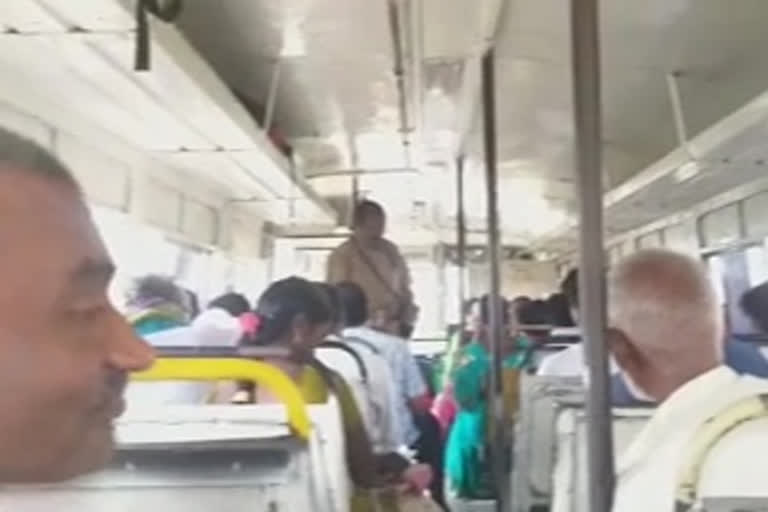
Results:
[165, 10]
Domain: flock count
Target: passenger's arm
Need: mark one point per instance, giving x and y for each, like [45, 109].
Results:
[336, 268]
[387, 398]
[359, 454]
[415, 388]
[366, 469]
[407, 280]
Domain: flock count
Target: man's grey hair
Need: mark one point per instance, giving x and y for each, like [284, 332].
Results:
[665, 303]
[20, 154]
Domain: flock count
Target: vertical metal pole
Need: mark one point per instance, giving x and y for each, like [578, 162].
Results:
[269, 114]
[461, 240]
[677, 109]
[587, 124]
[495, 398]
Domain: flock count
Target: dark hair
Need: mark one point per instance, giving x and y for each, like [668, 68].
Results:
[754, 303]
[570, 288]
[334, 301]
[233, 303]
[466, 307]
[535, 312]
[283, 301]
[366, 209]
[559, 306]
[193, 303]
[354, 303]
[19, 153]
[485, 310]
[153, 289]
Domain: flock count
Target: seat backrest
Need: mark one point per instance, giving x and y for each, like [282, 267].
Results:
[571, 476]
[541, 399]
[327, 454]
[325, 349]
[196, 459]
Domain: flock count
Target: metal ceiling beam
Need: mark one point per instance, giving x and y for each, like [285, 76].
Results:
[361, 172]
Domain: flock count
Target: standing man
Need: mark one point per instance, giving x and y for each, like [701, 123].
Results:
[376, 265]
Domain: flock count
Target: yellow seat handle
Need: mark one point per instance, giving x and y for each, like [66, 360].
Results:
[213, 369]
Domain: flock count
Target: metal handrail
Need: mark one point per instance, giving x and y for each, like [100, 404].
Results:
[588, 150]
[214, 369]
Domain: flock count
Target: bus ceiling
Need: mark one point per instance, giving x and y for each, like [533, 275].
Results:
[284, 109]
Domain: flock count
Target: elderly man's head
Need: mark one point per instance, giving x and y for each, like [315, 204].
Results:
[64, 350]
[665, 323]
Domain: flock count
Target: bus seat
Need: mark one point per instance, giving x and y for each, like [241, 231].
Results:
[541, 398]
[330, 348]
[570, 476]
[203, 458]
[188, 458]
[349, 364]
[199, 334]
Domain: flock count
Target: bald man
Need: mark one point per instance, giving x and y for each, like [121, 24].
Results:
[666, 335]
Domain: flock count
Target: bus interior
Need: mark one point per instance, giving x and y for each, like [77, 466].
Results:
[225, 143]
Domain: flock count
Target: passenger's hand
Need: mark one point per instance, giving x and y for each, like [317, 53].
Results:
[417, 478]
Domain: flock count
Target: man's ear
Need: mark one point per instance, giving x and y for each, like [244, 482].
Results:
[623, 351]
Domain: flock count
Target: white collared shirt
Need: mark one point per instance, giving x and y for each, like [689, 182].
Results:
[569, 362]
[736, 467]
[407, 378]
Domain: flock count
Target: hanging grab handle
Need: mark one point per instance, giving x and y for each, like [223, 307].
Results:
[166, 10]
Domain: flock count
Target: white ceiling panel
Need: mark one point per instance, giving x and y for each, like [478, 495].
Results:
[27, 16]
[222, 168]
[93, 89]
[180, 104]
[96, 15]
[105, 180]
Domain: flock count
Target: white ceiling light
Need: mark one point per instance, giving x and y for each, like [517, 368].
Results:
[294, 44]
[687, 171]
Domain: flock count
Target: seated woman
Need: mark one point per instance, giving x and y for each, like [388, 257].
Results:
[296, 314]
[155, 304]
[466, 459]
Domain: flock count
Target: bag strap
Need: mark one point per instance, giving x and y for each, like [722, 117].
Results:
[375, 270]
[365, 343]
[706, 438]
[337, 345]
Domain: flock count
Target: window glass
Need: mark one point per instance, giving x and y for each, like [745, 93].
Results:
[721, 226]
[425, 287]
[756, 215]
[717, 275]
[757, 265]
[650, 241]
[123, 236]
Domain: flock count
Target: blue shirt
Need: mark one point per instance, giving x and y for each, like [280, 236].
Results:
[742, 357]
[408, 380]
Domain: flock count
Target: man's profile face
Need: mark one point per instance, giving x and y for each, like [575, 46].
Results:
[372, 226]
[64, 351]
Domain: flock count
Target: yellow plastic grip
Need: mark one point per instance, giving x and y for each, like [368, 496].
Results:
[213, 369]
